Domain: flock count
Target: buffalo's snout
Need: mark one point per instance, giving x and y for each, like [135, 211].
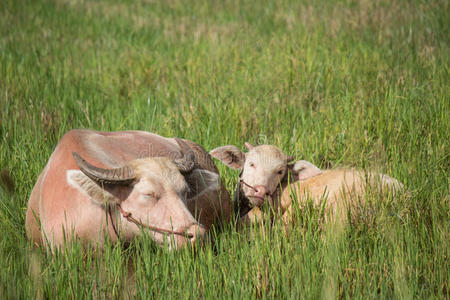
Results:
[261, 191]
[197, 231]
[194, 233]
[257, 195]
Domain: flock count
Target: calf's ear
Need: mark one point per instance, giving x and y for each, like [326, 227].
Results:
[230, 156]
[303, 169]
[201, 181]
[99, 194]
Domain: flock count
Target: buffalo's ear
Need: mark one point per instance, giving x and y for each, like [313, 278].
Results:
[230, 156]
[99, 194]
[201, 181]
[303, 169]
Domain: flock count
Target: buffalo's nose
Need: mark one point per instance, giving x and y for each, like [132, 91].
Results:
[197, 231]
[192, 233]
[261, 191]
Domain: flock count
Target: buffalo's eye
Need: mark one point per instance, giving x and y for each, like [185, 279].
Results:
[151, 196]
[280, 172]
[252, 165]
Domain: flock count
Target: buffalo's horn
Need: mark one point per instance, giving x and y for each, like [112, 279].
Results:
[123, 175]
[187, 162]
[249, 146]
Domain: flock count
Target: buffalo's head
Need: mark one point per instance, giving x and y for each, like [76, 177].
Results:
[154, 190]
[263, 168]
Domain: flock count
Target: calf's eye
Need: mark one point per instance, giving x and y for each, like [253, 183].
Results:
[280, 172]
[252, 165]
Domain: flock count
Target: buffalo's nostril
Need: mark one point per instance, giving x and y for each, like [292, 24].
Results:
[194, 233]
[260, 191]
[197, 231]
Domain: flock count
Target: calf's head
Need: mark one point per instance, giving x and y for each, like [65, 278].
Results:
[263, 168]
[154, 190]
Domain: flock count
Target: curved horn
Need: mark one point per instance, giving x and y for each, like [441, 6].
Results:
[249, 146]
[123, 175]
[187, 162]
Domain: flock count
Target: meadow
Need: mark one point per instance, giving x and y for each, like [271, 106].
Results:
[354, 83]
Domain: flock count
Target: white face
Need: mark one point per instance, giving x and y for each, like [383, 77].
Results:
[160, 186]
[264, 168]
[157, 197]
[161, 195]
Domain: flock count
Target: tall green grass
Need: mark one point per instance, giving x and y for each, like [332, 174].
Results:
[356, 83]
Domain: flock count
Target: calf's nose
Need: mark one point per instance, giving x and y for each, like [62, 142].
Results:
[260, 191]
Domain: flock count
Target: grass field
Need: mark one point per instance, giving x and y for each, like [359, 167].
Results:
[356, 83]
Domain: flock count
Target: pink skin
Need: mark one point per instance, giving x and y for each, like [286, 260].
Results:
[157, 200]
[61, 205]
[258, 194]
[263, 169]
[344, 188]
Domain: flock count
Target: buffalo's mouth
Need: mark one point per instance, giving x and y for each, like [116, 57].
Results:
[259, 201]
[256, 200]
[194, 235]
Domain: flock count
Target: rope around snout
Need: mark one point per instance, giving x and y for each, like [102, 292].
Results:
[245, 183]
[252, 187]
[127, 215]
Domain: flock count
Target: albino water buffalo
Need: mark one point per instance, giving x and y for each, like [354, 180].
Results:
[122, 184]
[341, 188]
[268, 176]
[263, 168]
